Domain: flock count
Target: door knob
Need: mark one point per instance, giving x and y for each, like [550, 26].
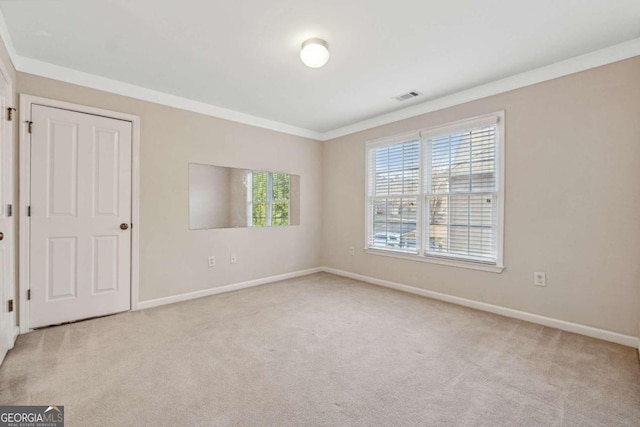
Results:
[124, 226]
[1, 235]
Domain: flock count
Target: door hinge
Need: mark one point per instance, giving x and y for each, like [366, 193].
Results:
[28, 294]
[28, 210]
[10, 114]
[29, 126]
[9, 210]
[10, 304]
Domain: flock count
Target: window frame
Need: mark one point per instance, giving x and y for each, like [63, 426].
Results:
[422, 237]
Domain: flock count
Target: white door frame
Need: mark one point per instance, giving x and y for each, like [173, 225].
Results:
[26, 101]
[9, 172]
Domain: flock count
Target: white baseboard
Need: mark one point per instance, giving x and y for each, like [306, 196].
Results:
[577, 328]
[226, 288]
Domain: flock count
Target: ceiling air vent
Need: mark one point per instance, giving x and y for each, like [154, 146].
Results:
[408, 95]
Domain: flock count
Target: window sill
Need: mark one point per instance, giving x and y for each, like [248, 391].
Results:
[435, 260]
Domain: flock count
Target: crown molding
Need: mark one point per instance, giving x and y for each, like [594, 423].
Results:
[68, 75]
[573, 65]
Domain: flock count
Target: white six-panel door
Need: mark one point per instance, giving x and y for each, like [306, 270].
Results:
[80, 250]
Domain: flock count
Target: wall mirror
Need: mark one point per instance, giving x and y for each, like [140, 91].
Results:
[222, 197]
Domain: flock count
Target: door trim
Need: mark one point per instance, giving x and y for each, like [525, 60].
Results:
[8, 170]
[26, 101]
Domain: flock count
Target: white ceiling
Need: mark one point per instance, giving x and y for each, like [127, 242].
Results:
[242, 55]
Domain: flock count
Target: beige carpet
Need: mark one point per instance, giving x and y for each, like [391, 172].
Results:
[321, 350]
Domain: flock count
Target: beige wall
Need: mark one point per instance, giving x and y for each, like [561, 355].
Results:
[572, 203]
[173, 259]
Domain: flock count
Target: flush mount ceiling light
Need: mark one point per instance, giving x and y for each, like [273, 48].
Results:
[314, 53]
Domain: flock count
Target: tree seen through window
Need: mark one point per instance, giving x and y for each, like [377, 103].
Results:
[269, 199]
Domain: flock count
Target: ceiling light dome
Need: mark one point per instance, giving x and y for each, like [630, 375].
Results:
[314, 53]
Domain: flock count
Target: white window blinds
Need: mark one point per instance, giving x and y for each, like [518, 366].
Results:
[437, 193]
[461, 194]
[394, 189]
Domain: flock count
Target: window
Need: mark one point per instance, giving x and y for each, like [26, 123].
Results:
[395, 190]
[268, 199]
[436, 195]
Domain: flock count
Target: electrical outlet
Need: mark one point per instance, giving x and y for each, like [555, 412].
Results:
[352, 250]
[233, 258]
[212, 261]
[540, 278]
